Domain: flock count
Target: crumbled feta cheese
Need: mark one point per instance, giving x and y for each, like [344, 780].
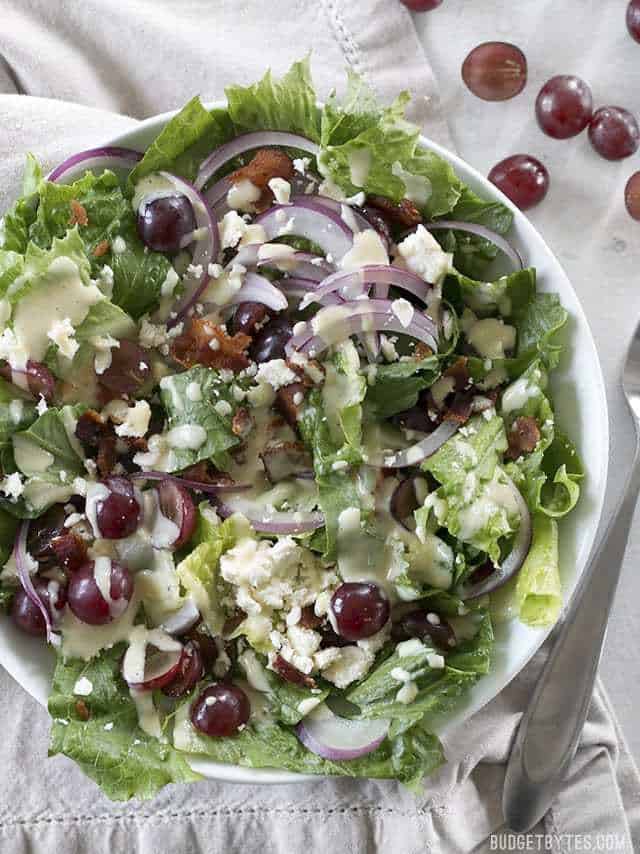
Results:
[151, 335]
[195, 271]
[276, 373]
[368, 249]
[351, 664]
[281, 190]
[215, 270]
[423, 255]
[435, 660]
[41, 406]
[12, 350]
[403, 310]
[279, 255]
[294, 615]
[103, 345]
[170, 282]
[194, 392]
[12, 486]
[301, 164]
[136, 422]
[83, 687]
[407, 693]
[223, 408]
[243, 195]
[119, 246]
[62, 333]
[407, 648]
[187, 437]
[108, 726]
[232, 228]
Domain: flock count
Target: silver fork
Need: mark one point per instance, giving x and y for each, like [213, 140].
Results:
[550, 729]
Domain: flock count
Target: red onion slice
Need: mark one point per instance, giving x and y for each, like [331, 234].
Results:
[335, 323]
[516, 557]
[249, 142]
[415, 454]
[206, 246]
[480, 231]
[111, 157]
[271, 522]
[22, 564]
[183, 620]
[256, 288]
[196, 485]
[312, 221]
[340, 739]
[304, 264]
[353, 284]
[295, 288]
[361, 221]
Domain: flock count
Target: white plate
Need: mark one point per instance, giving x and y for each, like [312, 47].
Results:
[581, 407]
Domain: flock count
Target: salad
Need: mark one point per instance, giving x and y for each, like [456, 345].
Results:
[277, 446]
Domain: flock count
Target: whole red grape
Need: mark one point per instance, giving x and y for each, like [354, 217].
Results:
[522, 178]
[421, 5]
[632, 195]
[633, 19]
[564, 106]
[614, 133]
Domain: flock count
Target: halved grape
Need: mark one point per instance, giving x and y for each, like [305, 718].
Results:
[43, 531]
[25, 613]
[633, 19]
[177, 505]
[426, 626]
[564, 106]
[220, 710]
[360, 609]
[632, 195]
[522, 178]
[163, 223]
[614, 133]
[421, 5]
[87, 602]
[270, 342]
[190, 671]
[495, 71]
[118, 514]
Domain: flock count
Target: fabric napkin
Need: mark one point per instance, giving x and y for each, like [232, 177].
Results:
[139, 58]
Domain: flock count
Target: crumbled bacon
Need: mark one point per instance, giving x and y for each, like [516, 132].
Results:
[309, 619]
[91, 428]
[523, 437]
[241, 423]
[291, 673]
[422, 350]
[70, 551]
[193, 346]
[460, 408]
[78, 213]
[82, 710]
[285, 404]
[284, 459]
[459, 373]
[310, 373]
[101, 249]
[107, 455]
[404, 213]
[266, 164]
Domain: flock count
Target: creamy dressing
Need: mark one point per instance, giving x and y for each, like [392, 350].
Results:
[62, 295]
[30, 458]
[492, 337]
[189, 437]
[368, 249]
[515, 397]
[148, 716]
[417, 188]
[359, 165]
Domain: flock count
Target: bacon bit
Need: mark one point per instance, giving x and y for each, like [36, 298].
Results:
[101, 249]
[459, 372]
[203, 472]
[523, 437]
[232, 622]
[460, 408]
[285, 405]
[309, 619]
[193, 346]
[70, 551]
[82, 710]
[292, 674]
[91, 428]
[403, 213]
[107, 455]
[242, 423]
[266, 164]
[78, 213]
[304, 371]
[422, 350]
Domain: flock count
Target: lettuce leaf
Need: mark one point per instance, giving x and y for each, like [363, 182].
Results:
[16, 222]
[13, 419]
[396, 386]
[288, 104]
[110, 747]
[538, 325]
[184, 142]
[535, 594]
[268, 744]
[181, 410]
[508, 295]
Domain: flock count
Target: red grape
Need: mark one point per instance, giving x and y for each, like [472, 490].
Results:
[633, 19]
[421, 5]
[87, 602]
[495, 71]
[129, 369]
[614, 133]
[220, 710]
[426, 626]
[270, 341]
[43, 531]
[164, 222]
[564, 106]
[632, 195]
[119, 513]
[361, 609]
[190, 672]
[27, 616]
[522, 178]
[177, 505]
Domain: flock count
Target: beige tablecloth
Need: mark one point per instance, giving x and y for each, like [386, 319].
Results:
[140, 58]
